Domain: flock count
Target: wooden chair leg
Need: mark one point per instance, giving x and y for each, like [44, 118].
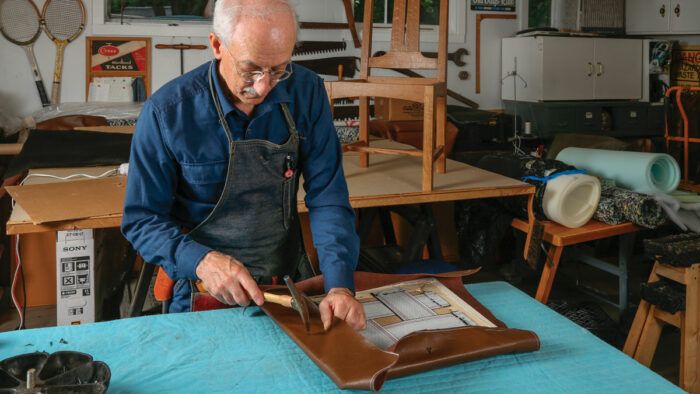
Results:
[649, 339]
[440, 130]
[364, 130]
[548, 273]
[428, 137]
[690, 347]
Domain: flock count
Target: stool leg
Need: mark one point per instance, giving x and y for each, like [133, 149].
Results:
[548, 273]
[649, 339]
[635, 333]
[689, 332]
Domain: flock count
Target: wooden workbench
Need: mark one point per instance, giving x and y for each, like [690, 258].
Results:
[389, 180]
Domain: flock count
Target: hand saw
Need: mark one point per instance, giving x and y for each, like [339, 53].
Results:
[316, 47]
[329, 65]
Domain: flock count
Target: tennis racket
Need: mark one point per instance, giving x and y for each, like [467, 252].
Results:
[64, 20]
[21, 25]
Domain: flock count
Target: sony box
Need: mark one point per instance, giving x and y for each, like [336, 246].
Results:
[75, 277]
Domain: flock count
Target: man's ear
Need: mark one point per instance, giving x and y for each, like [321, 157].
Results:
[216, 46]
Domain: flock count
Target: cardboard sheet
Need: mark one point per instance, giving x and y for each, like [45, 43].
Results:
[58, 201]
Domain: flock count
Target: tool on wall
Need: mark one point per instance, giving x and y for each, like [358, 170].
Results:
[334, 25]
[20, 23]
[318, 47]
[64, 21]
[456, 57]
[329, 66]
[182, 48]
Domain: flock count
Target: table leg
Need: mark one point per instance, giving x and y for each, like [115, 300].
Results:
[548, 273]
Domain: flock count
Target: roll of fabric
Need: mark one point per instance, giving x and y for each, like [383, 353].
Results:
[571, 200]
[563, 195]
[620, 205]
[636, 171]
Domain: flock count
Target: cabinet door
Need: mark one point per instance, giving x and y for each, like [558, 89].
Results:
[618, 69]
[685, 16]
[567, 68]
[648, 16]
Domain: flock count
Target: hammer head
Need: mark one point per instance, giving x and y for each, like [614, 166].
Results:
[300, 303]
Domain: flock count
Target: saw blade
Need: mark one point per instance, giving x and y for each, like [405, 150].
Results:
[317, 47]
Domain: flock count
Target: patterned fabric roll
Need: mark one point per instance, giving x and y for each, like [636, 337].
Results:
[620, 205]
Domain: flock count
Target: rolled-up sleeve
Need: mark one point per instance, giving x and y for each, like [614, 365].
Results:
[332, 218]
[150, 194]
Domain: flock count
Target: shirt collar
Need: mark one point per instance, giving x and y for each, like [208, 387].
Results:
[277, 95]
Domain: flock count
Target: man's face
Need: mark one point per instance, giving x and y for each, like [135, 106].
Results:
[256, 45]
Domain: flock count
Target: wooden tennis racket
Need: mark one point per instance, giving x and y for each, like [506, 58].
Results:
[20, 23]
[64, 20]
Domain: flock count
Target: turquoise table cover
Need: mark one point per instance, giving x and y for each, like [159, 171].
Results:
[235, 352]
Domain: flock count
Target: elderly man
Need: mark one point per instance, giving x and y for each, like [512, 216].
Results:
[215, 164]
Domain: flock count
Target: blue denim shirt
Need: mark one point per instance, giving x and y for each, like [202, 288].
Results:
[179, 158]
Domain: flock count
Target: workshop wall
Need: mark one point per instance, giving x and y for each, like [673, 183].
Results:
[18, 93]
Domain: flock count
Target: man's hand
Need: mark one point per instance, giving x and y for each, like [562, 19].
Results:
[227, 280]
[339, 302]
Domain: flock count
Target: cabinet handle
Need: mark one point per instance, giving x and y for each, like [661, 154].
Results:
[600, 69]
[590, 69]
[662, 10]
[677, 10]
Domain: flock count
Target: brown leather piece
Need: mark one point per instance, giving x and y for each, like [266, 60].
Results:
[68, 122]
[352, 362]
[411, 132]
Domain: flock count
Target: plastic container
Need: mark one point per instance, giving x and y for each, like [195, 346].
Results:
[571, 200]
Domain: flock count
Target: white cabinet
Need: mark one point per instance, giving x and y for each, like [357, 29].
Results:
[572, 68]
[662, 16]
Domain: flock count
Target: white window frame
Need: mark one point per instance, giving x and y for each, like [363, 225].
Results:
[101, 26]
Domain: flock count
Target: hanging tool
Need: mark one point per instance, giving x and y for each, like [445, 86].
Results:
[182, 47]
[455, 57]
[413, 74]
[317, 47]
[329, 66]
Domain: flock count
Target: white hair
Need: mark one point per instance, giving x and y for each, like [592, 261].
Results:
[227, 14]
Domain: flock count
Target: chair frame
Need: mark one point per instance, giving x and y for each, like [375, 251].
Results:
[404, 53]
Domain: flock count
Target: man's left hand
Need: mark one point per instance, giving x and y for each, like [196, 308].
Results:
[340, 302]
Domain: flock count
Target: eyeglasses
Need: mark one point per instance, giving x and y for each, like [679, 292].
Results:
[250, 77]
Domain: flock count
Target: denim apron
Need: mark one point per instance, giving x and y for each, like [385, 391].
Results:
[255, 219]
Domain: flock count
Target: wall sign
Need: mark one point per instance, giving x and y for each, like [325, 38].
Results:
[118, 57]
[685, 66]
[493, 5]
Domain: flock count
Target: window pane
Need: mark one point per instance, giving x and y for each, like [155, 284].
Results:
[539, 14]
[429, 11]
[165, 9]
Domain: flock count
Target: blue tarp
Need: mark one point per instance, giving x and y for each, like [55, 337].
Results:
[229, 351]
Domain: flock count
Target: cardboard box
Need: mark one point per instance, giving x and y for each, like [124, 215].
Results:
[395, 109]
[75, 277]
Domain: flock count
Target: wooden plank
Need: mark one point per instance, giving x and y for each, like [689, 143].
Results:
[674, 273]
[673, 319]
[559, 235]
[635, 332]
[690, 345]
[649, 339]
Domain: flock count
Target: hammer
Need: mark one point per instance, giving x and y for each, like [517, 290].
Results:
[297, 301]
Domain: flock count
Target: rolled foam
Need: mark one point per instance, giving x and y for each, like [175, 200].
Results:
[637, 171]
[571, 200]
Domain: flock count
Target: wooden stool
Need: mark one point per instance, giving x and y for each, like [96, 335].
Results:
[646, 329]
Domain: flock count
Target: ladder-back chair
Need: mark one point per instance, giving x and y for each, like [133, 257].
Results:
[404, 53]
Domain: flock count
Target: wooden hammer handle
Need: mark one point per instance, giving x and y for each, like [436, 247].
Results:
[283, 300]
[180, 46]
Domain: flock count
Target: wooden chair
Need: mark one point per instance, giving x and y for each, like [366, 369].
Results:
[404, 53]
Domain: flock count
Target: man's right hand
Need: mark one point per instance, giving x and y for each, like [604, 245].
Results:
[227, 280]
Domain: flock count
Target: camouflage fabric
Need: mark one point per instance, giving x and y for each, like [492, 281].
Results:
[680, 250]
[621, 205]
